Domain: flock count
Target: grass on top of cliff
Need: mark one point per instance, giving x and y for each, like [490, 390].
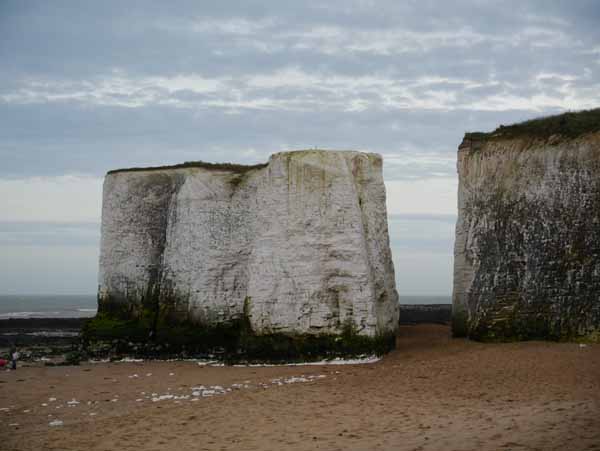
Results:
[230, 167]
[569, 125]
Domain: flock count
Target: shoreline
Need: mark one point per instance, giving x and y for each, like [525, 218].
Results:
[414, 313]
[40, 339]
[53, 339]
[529, 395]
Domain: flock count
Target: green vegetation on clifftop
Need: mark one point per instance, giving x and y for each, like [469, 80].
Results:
[236, 168]
[568, 125]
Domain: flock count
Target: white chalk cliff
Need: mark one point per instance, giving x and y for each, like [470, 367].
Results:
[299, 245]
[527, 250]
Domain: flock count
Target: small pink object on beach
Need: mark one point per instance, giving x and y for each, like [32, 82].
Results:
[3, 363]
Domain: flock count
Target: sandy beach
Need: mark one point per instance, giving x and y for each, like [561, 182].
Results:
[432, 393]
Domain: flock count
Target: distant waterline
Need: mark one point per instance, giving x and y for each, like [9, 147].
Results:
[47, 306]
[83, 306]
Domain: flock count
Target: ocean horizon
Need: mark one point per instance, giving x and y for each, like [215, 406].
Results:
[47, 306]
[85, 305]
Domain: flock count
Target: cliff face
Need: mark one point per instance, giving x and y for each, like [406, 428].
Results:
[527, 250]
[299, 245]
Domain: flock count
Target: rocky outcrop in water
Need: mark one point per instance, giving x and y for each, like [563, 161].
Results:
[296, 246]
[527, 250]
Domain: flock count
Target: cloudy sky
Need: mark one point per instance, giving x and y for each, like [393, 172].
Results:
[90, 86]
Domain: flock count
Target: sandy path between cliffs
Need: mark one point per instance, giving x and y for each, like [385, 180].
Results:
[432, 393]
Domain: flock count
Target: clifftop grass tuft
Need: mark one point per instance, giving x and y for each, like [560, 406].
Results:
[230, 167]
[235, 168]
[568, 125]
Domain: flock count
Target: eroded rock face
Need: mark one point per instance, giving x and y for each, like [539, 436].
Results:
[299, 245]
[527, 250]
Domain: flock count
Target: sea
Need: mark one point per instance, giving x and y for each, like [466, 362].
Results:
[424, 299]
[47, 306]
[85, 305]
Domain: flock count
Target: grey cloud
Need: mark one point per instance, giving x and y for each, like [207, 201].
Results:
[82, 90]
[63, 37]
[431, 233]
[53, 139]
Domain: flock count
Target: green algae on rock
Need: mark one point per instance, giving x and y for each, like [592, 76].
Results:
[232, 341]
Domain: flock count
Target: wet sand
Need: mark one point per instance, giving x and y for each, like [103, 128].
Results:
[432, 393]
